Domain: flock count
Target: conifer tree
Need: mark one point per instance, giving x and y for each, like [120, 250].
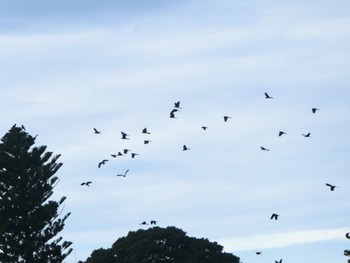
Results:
[29, 221]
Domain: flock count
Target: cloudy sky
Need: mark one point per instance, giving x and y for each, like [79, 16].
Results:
[70, 66]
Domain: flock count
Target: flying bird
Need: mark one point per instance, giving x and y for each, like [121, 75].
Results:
[133, 155]
[226, 118]
[177, 105]
[144, 223]
[314, 110]
[204, 128]
[267, 96]
[332, 187]
[307, 135]
[102, 162]
[258, 252]
[274, 216]
[280, 133]
[264, 149]
[123, 175]
[124, 136]
[172, 113]
[125, 151]
[97, 131]
[115, 155]
[347, 235]
[280, 261]
[153, 222]
[185, 148]
[146, 142]
[144, 130]
[86, 183]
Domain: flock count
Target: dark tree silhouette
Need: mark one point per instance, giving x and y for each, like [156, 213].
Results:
[29, 221]
[162, 245]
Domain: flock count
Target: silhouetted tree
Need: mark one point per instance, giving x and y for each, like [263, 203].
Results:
[162, 245]
[29, 222]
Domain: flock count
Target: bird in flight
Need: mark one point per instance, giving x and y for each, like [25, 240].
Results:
[332, 187]
[226, 118]
[264, 149]
[280, 133]
[97, 131]
[280, 261]
[258, 252]
[86, 183]
[124, 136]
[274, 216]
[144, 130]
[125, 151]
[177, 105]
[267, 96]
[307, 135]
[102, 162]
[347, 235]
[123, 175]
[144, 223]
[314, 110]
[172, 113]
[153, 222]
[185, 148]
[146, 142]
[115, 155]
[204, 128]
[133, 155]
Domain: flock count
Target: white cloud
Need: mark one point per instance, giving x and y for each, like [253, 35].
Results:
[282, 239]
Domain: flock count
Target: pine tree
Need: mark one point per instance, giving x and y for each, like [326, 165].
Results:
[29, 221]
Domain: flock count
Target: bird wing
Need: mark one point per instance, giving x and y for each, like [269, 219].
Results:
[126, 172]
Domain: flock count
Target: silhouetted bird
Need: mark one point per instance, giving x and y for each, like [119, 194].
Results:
[144, 130]
[226, 118]
[274, 216]
[144, 223]
[146, 142]
[332, 187]
[125, 151]
[347, 235]
[115, 155]
[153, 222]
[177, 105]
[23, 128]
[307, 135]
[204, 128]
[86, 183]
[264, 149]
[133, 155]
[123, 175]
[124, 136]
[314, 110]
[172, 113]
[96, 131]
[102, 162]
[280, 133]
[267, 96]
[280, 261]
[258, 252]
[185, 148]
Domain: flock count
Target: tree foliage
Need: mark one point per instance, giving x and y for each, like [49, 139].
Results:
[162, 245]
[29, 221]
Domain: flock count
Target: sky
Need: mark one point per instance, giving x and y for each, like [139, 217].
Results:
[68, 67]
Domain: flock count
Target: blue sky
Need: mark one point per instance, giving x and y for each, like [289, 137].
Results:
[120, 66]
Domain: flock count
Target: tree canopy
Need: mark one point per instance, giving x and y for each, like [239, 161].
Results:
[29, 221]
[157, 244]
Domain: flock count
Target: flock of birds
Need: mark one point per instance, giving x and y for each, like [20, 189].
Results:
[172, 115]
